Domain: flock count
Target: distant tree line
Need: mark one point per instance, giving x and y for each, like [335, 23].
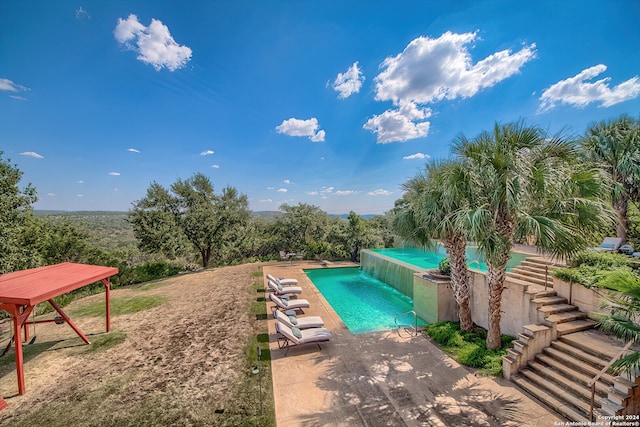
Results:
[187, 226]
[189, 218]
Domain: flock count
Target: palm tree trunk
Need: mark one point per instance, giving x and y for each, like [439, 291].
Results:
[456, 246]
[621, 205]
[496, 278]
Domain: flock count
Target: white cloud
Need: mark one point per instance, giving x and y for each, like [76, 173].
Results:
[114, 173]
[417, 156]
[399, 125]
[345, 192]
[19, 98]
[349, 82]
[215, 166]
[80, 195]
[32, 154]
[81, 14]
[115, 189]
[379, 192]
[271, 188]
[207, 153]
[297, 127]
[266, 200]
[133, 150]
[578, 91]
[430, 70]
[287, 181]
[8, 85]
[51, 194]
[81, 182]
[282, 190]
[327, 190]
[154, 44]
[312, 193]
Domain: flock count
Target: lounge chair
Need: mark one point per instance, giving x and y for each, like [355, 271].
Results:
[609, 244]
[289, 337]
[299, 322]
[282, 290]
[626, 249]
[285, 304]
[283, 282]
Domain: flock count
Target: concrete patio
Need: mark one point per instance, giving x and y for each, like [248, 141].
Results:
[384, 379]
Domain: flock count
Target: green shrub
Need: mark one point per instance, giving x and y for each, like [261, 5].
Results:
[145, 272]
[600, 259]
[444, 267]
[469, 348]
[443, 332]
[471, 354]
[593, 269]
[493, 363]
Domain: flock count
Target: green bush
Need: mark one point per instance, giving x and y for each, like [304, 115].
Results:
[593, 269]
[444, 267]
[145, 273]
[469, 348]
[444, 333]
[473, 355]
[600, 259]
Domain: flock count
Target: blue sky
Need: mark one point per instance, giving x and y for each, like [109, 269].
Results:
[331, 103]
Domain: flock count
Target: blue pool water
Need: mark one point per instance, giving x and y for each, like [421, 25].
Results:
[363, 303]
[429, 260]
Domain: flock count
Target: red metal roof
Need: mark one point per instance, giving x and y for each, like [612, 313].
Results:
[33, 286]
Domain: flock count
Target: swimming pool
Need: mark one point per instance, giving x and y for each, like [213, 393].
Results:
[430, 259]
[363, 303]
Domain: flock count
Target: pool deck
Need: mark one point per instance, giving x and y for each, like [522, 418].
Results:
[384, 379]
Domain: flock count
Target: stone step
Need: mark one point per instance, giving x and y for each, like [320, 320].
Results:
[548, 293]
[580, 365]
[533, 266]
[532, 288]
[579, 353]
[556, 308]
[578, 406]
[566, 316]
[549, 399]
[549, 300]
[539, 261]
[531, 272]
[526, 278]
[574, 326]
[572, 379]
[595, 342]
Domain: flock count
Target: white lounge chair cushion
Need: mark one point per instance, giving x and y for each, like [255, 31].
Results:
[305, 322]
[282, 281]
[283, 290]
[311, 335]
[289, 305]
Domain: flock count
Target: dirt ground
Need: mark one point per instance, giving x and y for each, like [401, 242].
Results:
[178, 363]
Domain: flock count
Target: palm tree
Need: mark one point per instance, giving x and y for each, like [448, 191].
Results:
[426, 213]
[526, 186]
[622, 316]
[615, 146]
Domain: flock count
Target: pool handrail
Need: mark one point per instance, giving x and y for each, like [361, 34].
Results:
[415, 321]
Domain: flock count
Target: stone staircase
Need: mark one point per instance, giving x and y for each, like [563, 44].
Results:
[555, 359]
[559, 376]
[535, 271]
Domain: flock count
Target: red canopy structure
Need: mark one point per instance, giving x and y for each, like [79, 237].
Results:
[20, 291]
